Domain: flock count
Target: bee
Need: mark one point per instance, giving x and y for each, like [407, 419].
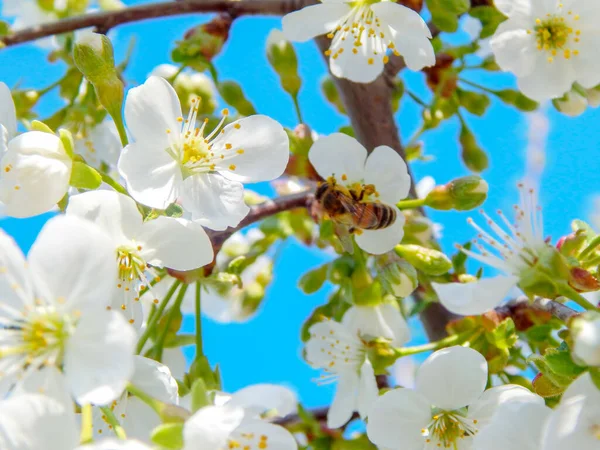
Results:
[347, 208]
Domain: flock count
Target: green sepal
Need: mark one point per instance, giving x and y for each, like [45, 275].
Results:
[67, 140]
[200, 395]
[36, 125]
[314, 279]
[168, 435]
[84, 176]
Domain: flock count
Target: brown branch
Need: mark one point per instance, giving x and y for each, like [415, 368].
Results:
[109, 19]
[517, 307]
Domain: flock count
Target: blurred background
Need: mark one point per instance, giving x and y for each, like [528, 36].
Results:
[559, 153]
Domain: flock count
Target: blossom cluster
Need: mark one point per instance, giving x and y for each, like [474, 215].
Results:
[146, 196]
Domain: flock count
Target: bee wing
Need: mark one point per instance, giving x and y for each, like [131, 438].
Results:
[366, 215]
[345, 238]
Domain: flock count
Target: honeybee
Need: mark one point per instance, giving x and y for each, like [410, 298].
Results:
[347, 208]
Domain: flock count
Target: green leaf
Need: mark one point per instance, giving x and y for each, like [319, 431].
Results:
[489, 17]
[459, 260]
[595, 375]
[70, 83]
[36, 125]
[174, 210]
[474, 102]
[313, 280]
[67, 141]
[472, 154]
[180, 340]
[516, 99]
[444, 13]
[168, 435]
[504, 336]
[84, 176]
[4, 28]
[200, 395]
[560, 362]
[545, 387]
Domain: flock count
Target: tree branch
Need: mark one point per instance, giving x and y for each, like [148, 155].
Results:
[109, 19]
[515, 309]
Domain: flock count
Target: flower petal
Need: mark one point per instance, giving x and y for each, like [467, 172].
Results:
[175, 243]
[35, 174]
[476, 297]
[381, 241]
[345, 400]
[99, 358]
[153, 177]
[313, 21]
[368, 392]
[115, 213]
[260, 150]
[397, 418]
[515, 425]
[387, 171]
[154, 379]
[514, 48]
[338, 154]
[250, 435]
[174, 359]
[214, 201]
[548, 79]
[210, 427]
[583, 386]
[401, 19]
[452, 377]
[15, 280]
[568, 426]
[140, 420]
[277, 401]
[81, 245]
[36, 422]
[150, 110]
[8, 114]
[383, 320]
[511, 8]
[115, 444]
[485, 406]
[361, 67]
[223, 309]
[48, 381]
[586, 65]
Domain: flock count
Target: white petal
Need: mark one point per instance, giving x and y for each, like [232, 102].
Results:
[361, 67]
[105, 142]
[214, 201]
[587, 341]
[249, 435]
[153, 177]
[387, 171]
[154, 379]
[81, 246]
[368, 392]
[115, 444]
[476, 297]
[570, 426]
[515, 49]
[338, 154]
[381, 241]
[8, 114]
[383, 320]
[36, 422]
[345, 400]
[585, 64]
[209, 427]
[174, 359]
[223, 309]
[15, 280]
[484, 408]
[265, 149]
[453, 377]
[278, 401]
[48, 381]
[175, 243]
[583, 386]
[150, 110]
[397, 418]
[401, 19]
[99, 358]
[115, 213]
[35, 174]
[512, 8]
[140, 420]
[548, 80]
[313, 20]
[514, 426]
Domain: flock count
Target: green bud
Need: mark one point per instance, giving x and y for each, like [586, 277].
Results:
[332, 95]
[440, 198]
[418, 228]
[397, 276]
[473, 156]
[571, 104]
[232, 94]
[111, 5]
[190, 87]
[282, 56]
[490, 64]
[370, 295]
[468, 192]
[254, 293]
[572, 244]
[427, 260]
[593, 96]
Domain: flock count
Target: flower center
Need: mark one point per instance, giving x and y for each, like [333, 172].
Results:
[553, 35]
[447, 427]
[361, 25]
[358, 191]
[131, 264]
[248, 441]
[595, 429]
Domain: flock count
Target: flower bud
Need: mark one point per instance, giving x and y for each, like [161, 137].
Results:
[282, 56]
[586, 333]
[427, 260]
[332, 95]
[473, 156]
[232, 94]
[571, 104]
[398, 277]
[593, 96]
[468, 192]
[572, 244]
[582, 280]
[440, 198]
[206, 40]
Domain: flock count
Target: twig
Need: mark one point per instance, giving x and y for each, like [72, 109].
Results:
[558, 310]
[110, 19]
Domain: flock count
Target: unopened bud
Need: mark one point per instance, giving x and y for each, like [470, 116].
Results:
[207, 39]
[282, 56]
[583, 281]
[398, 277]
[427, 260]
[440, 198]
[232, 94]
[191, 87]
[473, 156]
[572, 244]
[468, 192]
[593, 96]
[332, 95]
[571, 104]
[418, 228]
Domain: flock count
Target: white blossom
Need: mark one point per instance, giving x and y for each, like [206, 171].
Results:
[361, 34]
[54, 311]
[170, 158]
[342, 355]
[8, 117]
[586, 334]
[446, 409]
[115, 444]
[380, 177]
[384, 320]
[548, 45]
[512, 252]
[99, 145]
[137, 244]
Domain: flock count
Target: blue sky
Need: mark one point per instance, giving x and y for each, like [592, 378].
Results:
[268, 348]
